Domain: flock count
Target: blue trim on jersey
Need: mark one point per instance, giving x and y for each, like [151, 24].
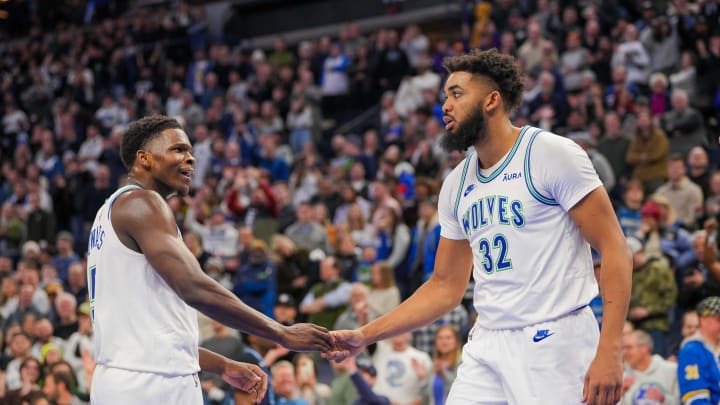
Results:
[528, 177]
[117, 193]
[462, 184]
[508, 158]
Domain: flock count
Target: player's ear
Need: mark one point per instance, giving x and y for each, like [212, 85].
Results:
[143, 158]
[493, 101]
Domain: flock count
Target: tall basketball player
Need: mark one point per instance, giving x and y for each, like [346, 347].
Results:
[520, 211]
[145, 286]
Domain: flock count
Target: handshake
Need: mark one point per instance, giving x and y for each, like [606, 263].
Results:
[335, 345]
[302, 337]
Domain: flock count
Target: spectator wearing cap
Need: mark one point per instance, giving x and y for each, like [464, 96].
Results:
[648, 152]
[364, 376]
[285, 310]
[653, 295]
[662, 241]
[698, 371]
[685, 197]
[255, 281]
[81, 340]
[650, 378]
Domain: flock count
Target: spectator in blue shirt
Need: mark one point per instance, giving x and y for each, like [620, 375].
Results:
[698, 372]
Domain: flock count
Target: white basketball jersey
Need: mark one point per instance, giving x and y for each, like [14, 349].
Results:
[139, 322]
[531, 263]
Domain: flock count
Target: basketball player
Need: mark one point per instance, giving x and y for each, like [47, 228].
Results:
[145, 286]
[520, 211]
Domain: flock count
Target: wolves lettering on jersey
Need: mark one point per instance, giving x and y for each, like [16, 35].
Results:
[97, 235]
[492, 209]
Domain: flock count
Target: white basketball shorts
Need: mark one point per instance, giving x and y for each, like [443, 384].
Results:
[114, 386]
[539, 364]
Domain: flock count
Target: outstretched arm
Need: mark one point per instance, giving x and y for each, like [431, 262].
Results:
[145, 223]
[441, 293]
[595, 218]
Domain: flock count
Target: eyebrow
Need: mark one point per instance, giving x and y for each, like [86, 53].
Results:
[181, 145]
[454, 87]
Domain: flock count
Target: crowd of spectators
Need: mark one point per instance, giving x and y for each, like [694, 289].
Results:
[304, 222]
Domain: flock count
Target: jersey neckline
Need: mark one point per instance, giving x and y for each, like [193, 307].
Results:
[486, 179]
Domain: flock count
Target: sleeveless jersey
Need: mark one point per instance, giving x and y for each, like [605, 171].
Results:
[530, 262]
[139, 322]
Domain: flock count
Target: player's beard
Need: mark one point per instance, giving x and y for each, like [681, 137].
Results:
[468, 133]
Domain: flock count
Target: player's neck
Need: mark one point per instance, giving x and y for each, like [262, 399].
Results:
[500, 138]
[135, 179]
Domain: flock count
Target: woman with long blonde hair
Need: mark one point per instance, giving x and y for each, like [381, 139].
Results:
[446, 358]
[384, 295]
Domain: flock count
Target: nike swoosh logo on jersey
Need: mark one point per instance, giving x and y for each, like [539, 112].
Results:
[468, 190]
[542, 334]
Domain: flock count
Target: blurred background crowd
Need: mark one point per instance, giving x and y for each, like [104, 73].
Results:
[318, 169]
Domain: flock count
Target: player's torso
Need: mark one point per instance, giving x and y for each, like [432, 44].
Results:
[525, 246]
[140, 323]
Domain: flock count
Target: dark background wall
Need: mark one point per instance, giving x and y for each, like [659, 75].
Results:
[257, 18]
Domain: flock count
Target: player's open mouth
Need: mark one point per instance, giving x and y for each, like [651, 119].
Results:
[188, 173]
[449, 122]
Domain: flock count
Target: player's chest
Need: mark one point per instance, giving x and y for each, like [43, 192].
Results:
[499, 207]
